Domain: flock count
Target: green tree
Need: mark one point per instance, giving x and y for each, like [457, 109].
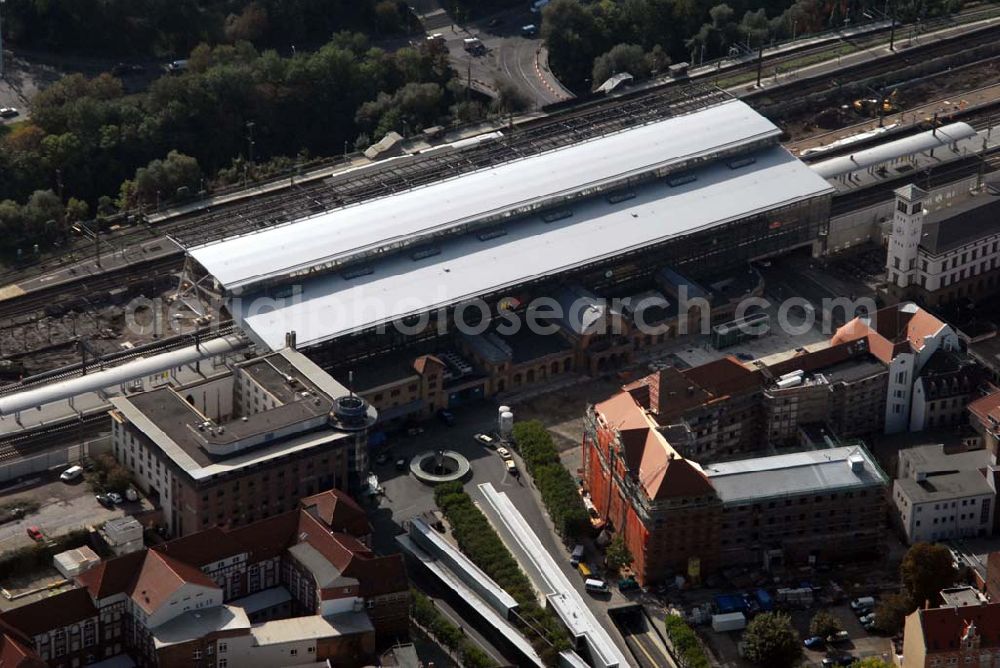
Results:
[628, 58]
[871, 662]
[771, 640]
[824, 624]
[926, 570]
[891, 612]
[617, 556]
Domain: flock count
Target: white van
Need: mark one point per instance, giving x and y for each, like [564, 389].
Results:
[863, 604]
[596, 586]
[71, 474]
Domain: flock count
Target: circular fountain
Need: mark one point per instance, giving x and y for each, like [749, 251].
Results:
[437, 466]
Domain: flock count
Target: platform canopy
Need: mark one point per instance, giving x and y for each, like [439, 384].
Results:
[512, 188]
[894, 150]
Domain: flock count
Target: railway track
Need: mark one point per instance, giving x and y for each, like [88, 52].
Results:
[32, 306]
[27, 443]
[869, 70]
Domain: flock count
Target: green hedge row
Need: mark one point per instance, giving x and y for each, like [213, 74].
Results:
[555, 484]
[446, 633]
[477, 539]
[687, 649]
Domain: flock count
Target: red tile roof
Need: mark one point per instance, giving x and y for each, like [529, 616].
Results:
[63, 609]
[649, 457]
[204, 547]
[987, 409]
[893, 330]
[339, 511]
[942, 628]
[13, 654]
[112, 576]
[160, 576]
[376, 575]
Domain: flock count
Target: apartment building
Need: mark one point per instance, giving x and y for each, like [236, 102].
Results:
[942, 496]
[243, 445]
[952, 635]
[294, 589]
[939, 252]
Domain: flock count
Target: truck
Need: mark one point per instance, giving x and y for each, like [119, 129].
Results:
[730, 621]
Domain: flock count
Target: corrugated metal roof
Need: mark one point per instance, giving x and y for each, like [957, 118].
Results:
[893, 150]
[374, 224]
[795, 473]
[330, 306]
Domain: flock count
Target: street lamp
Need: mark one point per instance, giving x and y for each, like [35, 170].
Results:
[2, 72]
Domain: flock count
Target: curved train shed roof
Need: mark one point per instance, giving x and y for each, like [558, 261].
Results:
[894, 150]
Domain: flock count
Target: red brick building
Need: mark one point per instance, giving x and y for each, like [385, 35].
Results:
[952, 636]
[642, 450]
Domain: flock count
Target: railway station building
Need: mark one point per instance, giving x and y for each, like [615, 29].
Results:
[940, 252]
[701, 192]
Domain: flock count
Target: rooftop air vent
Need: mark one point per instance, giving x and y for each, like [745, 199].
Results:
[681, 179]
[553, 216]
[495, 233]
[424, 253]
[741, 162]
[357, 272]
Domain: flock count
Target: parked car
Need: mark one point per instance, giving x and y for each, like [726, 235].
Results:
[35, 534]
[839, 660]
[382, 458]
[815, 642]
[116, 498]
[595, 586]
[447, 417]
[71, 474]
[486, 439]
[414, 430]
[131, 494]
[838, 637]
[576, 556]
[867, 619]
[104, 500]
[504, 453]
[511, 467]
[400, 464]
[8, 112]
[529, 30]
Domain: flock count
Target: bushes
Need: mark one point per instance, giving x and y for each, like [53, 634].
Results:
[687, 649]
[554, 482]
[446, 633]
[28, 559]
[477, 539]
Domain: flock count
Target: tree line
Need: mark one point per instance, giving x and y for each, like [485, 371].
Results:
[90, 148]
[590, 41]
[162, 28]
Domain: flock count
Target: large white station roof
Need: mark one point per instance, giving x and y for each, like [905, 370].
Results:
[380, 223]
[330, 305]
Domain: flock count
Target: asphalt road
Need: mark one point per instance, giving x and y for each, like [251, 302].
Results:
[509, 57]
[406, 498]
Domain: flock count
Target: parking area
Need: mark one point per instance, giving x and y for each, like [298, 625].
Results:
[62, 507]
